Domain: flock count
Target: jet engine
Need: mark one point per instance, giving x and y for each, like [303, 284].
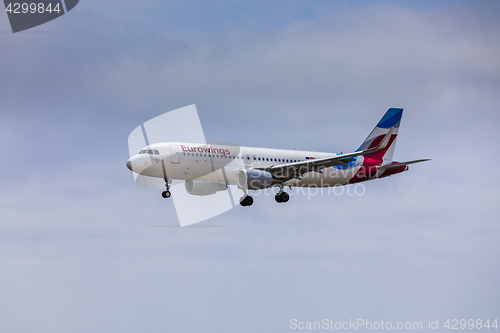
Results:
[254, 179]
[198, 187]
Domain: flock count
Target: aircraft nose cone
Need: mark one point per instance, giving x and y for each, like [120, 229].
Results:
[129, 165]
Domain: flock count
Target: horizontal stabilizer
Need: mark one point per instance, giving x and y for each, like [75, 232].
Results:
[398, 164]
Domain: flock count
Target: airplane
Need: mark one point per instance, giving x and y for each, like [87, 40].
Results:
[210, 168]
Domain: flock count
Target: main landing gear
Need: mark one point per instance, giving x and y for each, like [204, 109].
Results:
[246, 201]
[281, 196]
[166, 194]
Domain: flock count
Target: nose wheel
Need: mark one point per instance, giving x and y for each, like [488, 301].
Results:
[166, 194]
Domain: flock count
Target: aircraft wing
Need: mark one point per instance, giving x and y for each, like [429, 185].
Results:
[296, 169]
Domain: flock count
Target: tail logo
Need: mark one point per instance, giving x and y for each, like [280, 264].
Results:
[391, 118]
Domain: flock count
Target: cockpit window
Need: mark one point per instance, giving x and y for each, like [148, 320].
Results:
[143, 152]
[157, 152]
[150, 152]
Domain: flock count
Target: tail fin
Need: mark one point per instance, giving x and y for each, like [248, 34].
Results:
[390, 121]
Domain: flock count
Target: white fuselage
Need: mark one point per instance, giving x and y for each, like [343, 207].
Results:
[220, 163]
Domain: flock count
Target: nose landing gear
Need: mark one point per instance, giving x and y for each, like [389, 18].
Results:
[166, 194]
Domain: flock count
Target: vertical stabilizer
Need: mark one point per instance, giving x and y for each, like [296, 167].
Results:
[390, 120]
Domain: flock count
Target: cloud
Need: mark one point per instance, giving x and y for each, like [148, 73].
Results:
[77, 249]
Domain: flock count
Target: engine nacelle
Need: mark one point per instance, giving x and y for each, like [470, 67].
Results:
[199, 187]
[254, 179]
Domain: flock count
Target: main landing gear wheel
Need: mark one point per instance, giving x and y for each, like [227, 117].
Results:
[246, 201]
[282, 197]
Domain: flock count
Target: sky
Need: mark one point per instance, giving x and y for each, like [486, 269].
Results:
[82, 248]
